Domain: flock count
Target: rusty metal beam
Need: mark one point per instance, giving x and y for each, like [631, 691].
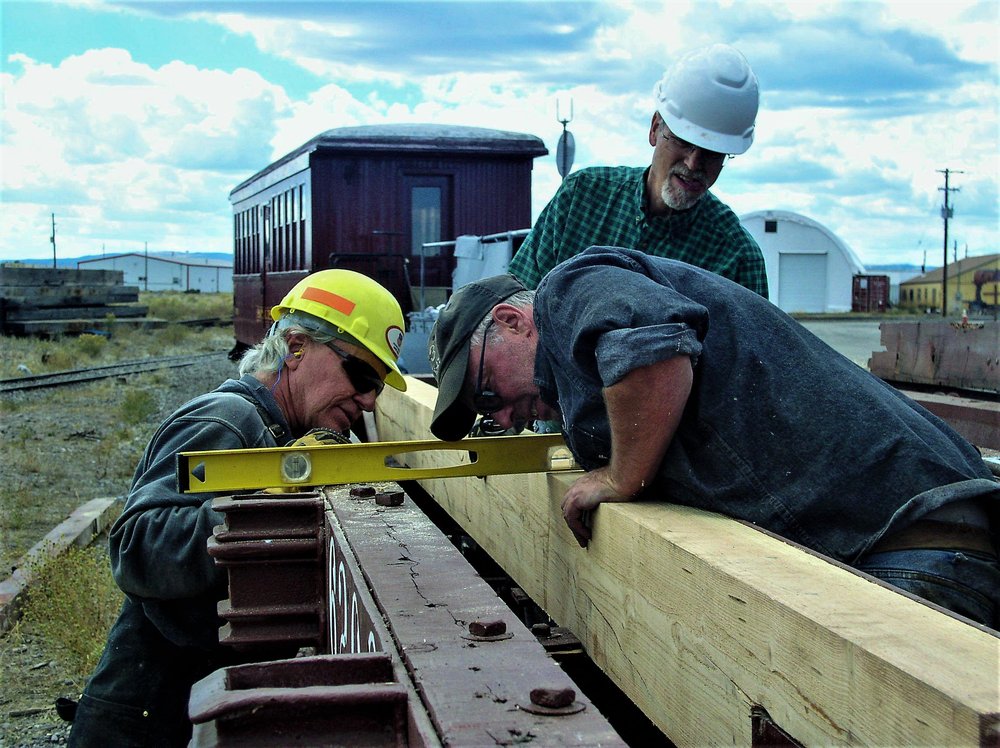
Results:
[474, 662]
[459, 667]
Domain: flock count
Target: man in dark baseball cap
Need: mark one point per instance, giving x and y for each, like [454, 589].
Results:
[665, 376]
[449, 346]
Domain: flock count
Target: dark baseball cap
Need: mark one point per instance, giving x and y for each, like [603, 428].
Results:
[448, 350]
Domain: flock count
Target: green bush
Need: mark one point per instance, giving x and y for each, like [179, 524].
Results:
[173, 335]
[91, 345]
[175, 305]
[72, 603]
[138, 406]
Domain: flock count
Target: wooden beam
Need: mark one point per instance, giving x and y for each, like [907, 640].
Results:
[940, 353]
[976, 420]
[699, 618]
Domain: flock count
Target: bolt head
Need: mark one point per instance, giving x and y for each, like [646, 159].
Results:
[552, 698]
[488, 628]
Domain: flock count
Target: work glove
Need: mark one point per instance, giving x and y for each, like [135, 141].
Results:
[314, 438]
[319, 438]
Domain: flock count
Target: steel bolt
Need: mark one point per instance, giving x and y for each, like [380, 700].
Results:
[541, 630]
[390, 498]
[488, 628]
[363, 492]
[553, 698]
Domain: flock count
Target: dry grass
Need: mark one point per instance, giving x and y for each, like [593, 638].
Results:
[61, 447]
[71, 604]
[125, 344]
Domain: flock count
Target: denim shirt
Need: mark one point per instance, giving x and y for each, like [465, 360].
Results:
[166, 635]
[779, 430]
[158, 544]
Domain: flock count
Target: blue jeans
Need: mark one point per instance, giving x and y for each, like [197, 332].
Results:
[964, 582]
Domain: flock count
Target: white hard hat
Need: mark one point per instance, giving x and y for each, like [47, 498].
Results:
[709, 97]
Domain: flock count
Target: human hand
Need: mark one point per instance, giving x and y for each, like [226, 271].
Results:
[584, 496]
[319, 438]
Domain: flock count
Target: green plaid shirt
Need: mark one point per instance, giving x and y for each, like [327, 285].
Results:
[606, 206]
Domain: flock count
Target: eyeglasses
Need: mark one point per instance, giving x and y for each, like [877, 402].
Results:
[682, 146]
[362, 375]
[486, 402]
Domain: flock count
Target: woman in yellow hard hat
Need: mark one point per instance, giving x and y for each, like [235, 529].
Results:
[333, 346]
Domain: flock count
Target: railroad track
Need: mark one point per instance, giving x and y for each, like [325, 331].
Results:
[75, 376]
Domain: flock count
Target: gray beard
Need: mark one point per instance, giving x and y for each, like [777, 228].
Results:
[677, 199]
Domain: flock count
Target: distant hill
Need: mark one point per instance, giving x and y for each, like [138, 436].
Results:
[893, 266]
[70, 262]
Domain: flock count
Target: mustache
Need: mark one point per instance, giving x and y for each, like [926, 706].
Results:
[689, 174]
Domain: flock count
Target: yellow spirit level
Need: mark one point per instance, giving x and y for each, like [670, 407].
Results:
[337, 464]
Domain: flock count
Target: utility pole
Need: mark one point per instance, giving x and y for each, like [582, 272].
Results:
[52, 239]
[958, 276]
[946, 213]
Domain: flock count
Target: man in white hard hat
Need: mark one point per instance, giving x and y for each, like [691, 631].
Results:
[706, 105]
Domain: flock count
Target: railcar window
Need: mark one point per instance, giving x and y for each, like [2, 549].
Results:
[425, 209]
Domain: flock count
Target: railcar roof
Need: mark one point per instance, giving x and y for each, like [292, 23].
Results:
[415, 138]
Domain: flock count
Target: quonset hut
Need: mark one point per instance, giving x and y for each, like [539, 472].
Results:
[809, 268]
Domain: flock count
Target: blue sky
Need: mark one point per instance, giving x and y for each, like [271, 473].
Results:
[132, 121]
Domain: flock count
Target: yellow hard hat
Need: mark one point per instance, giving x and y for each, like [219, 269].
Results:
[355, 304]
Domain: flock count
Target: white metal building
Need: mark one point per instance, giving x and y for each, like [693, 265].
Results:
[158, 273]
[809, 269]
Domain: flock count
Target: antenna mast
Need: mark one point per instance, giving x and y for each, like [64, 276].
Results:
[52, 238]
[567, 147]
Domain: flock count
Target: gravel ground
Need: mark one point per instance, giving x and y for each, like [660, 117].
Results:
[61, 448]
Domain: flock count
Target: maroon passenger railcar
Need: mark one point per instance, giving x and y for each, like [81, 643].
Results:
[368, 199]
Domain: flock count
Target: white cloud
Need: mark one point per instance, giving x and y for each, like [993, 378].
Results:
[862, 103]
[128, 138]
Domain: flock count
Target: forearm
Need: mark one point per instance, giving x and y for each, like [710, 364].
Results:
[644, 410]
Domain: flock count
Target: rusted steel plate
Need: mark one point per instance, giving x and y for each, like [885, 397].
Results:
[277, 580]
[474, 687]
[363, 630]
[325, 700]
[940, 353]
[286, 515]
[300, 584]
[977, 420]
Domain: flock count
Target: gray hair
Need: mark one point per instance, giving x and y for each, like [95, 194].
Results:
[268, 356]
[520, 300]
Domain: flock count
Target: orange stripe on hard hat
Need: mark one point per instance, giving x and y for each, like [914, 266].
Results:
[332, 300]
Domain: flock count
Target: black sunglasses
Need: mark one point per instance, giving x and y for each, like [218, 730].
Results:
[362, 375]
[486, 402]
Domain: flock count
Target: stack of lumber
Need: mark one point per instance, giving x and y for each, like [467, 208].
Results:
[940, 353]
[55, 301]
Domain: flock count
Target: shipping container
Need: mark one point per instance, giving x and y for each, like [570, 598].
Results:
[870, 293]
